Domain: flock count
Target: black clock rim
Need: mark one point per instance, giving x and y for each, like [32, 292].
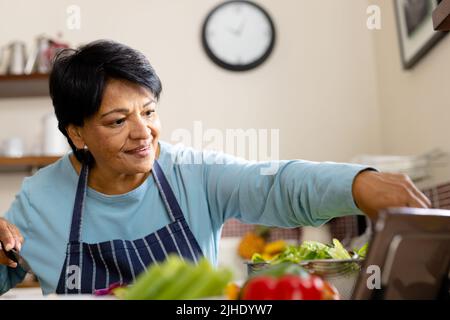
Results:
[240, 67]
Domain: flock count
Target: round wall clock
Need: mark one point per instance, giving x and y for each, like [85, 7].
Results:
[238, 35]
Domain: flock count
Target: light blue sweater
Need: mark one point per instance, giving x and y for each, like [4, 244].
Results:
[300, 193]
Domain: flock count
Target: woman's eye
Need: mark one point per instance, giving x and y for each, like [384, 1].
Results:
[149, 113]
[118, 122]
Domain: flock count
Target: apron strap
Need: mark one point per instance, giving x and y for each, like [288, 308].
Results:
[166, 192]
[75, 229]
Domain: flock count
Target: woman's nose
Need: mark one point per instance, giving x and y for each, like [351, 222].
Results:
[141, 130]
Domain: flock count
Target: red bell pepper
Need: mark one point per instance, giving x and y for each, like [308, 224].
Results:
[287, 287]
[259, 288]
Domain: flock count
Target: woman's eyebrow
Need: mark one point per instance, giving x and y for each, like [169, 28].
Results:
[149, 102]
[124, 110]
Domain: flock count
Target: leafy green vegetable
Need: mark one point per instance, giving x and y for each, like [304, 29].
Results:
[338, 252]
[290, 254]
[177, 279]
[257, 258]
[362, 252]
[281, 269]
[312, 250]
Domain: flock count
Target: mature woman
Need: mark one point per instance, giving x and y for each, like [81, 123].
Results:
[123, 200]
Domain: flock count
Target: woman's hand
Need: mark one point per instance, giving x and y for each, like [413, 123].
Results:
[10, 238]
[373, 191]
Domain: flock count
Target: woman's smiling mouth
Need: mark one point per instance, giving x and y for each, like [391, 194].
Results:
[140, 152]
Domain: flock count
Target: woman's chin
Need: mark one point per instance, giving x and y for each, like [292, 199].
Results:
[138, 169]
[140, 164]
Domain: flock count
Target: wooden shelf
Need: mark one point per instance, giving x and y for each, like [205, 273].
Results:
[33, 85]
[30, 163]
[441, 16]
[23, 77]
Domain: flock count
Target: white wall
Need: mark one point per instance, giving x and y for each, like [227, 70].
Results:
[318, 87]
[414, 105]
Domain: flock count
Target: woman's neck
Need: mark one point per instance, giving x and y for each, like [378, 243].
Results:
[102, 180]
[105, 182]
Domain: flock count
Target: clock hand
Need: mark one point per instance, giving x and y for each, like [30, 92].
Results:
[232, 31]
[241, 27]
[237, 31]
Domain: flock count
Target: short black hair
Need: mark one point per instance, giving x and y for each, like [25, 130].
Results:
[78, 78]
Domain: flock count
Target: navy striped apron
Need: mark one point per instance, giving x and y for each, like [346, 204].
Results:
[92, 266]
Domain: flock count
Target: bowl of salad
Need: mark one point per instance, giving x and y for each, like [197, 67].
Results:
[332, 262]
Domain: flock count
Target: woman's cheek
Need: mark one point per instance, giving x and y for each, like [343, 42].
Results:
[157, 127]
[111, 145]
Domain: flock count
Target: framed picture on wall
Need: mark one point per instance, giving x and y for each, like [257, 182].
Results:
[415, 29]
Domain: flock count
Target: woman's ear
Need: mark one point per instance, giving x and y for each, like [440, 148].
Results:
[75, 135]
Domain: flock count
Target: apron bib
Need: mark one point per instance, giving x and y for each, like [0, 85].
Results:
[92, 266]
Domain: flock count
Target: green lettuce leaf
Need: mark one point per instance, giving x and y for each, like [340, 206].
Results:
[362, 252]
[338, 251]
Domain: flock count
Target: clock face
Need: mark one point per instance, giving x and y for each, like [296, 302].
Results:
[238, 35]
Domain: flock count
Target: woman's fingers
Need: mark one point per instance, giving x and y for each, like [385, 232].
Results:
[8, 242]
[414, 201]
[415, 198]
[6, 236]
[424, 199]
[17, 236]
[6, 261]
[10, 237]
[373, 191]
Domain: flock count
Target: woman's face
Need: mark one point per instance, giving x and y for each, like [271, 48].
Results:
[123, 135]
